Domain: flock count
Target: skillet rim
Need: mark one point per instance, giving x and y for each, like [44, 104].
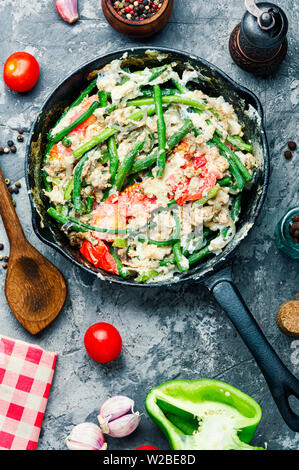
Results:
[195, 277]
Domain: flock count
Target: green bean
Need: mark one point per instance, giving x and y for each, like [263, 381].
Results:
[127, 164]
[113, 165]
[77, 184]
[242, 168]
[76, 123]
[236, 141]
[240, 181]
[104, 157]
[161, 160]
[89, 204]
[181, 261]
[175, 237]
[63, 220]
[174, 140]
[181, 88]
[197, 256]
[103, 98]
[69, 189]
[104, 135]
[239, 143]
[80, 98]
[120, 243]
[211, 193]
[123, 272]
[139, 114]
[168, 99]
[66, 142]
[236, 207]
[164, 91]
[156, 72]
[145, 277]
[226, 181]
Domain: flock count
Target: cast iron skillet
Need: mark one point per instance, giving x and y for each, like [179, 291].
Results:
[214, 273]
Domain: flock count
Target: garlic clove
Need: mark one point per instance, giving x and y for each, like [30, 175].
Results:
[86, 436]
[114, 408]
[124, 426]
[67, 9]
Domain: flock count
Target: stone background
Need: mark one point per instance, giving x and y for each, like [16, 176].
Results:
[175, 333]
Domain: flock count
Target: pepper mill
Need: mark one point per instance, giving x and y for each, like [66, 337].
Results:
[258, 44]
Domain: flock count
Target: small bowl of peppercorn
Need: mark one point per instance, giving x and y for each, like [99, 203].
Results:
[287, 233]
[137, 18]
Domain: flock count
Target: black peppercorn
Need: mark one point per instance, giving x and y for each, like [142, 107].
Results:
[20, 138]
[288, 154]
[20, 130]
[292, 145]
[13, 149]
[10, 143]
[1, 150]
[1, 246]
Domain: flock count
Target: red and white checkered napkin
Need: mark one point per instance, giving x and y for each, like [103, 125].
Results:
[26, 373]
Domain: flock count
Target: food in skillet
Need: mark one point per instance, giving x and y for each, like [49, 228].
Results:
[145, 172]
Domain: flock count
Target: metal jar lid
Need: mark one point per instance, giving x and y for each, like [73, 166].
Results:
[264, 25]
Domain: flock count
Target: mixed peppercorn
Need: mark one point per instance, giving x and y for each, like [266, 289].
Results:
[11, 145]
[137, 10]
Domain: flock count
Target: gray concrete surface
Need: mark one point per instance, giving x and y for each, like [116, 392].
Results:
[167, 334]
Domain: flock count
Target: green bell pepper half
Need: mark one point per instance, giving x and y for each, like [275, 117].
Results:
[204, 415]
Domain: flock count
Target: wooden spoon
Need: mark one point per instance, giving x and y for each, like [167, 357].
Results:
[34, 288]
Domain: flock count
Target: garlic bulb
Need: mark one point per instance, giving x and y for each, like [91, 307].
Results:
[67, 9]
[117, 417]
[86, 436]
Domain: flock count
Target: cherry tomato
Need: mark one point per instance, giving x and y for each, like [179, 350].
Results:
[102, 342]
[147, 448]
[21, 71]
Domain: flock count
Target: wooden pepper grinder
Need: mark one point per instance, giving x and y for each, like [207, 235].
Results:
[258, 44]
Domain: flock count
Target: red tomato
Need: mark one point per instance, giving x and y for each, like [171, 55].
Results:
[147, 448]
[21, 71]
[102, 342]
[99, 255]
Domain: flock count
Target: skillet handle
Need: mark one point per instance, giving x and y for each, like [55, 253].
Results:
[281, 382]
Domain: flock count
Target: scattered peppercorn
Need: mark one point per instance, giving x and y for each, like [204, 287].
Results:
[1, 150]
[20, 138]
[288, 154]
[11, 190]
[294, 228]
[10, 143]
[4, 265]
[16, 191]
[18, 184]
[13, 149]
[137, 10]
[1, 246]
[20, 130]
[292, 145]
[1, 257]
[6, 258]
[7, 182]
[6, 150]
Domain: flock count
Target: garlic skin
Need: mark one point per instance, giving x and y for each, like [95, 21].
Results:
[117, 417]
[68, 10]
[86, 436]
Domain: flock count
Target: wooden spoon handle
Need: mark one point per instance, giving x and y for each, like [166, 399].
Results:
[10, 219]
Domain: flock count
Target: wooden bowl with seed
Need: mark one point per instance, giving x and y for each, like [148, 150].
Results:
[141, 29]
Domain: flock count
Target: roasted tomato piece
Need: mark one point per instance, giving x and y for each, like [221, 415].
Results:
[188, 193]
[112, 215]
[99, 256]
[59, 151]
[81, 129]
[136, 201]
